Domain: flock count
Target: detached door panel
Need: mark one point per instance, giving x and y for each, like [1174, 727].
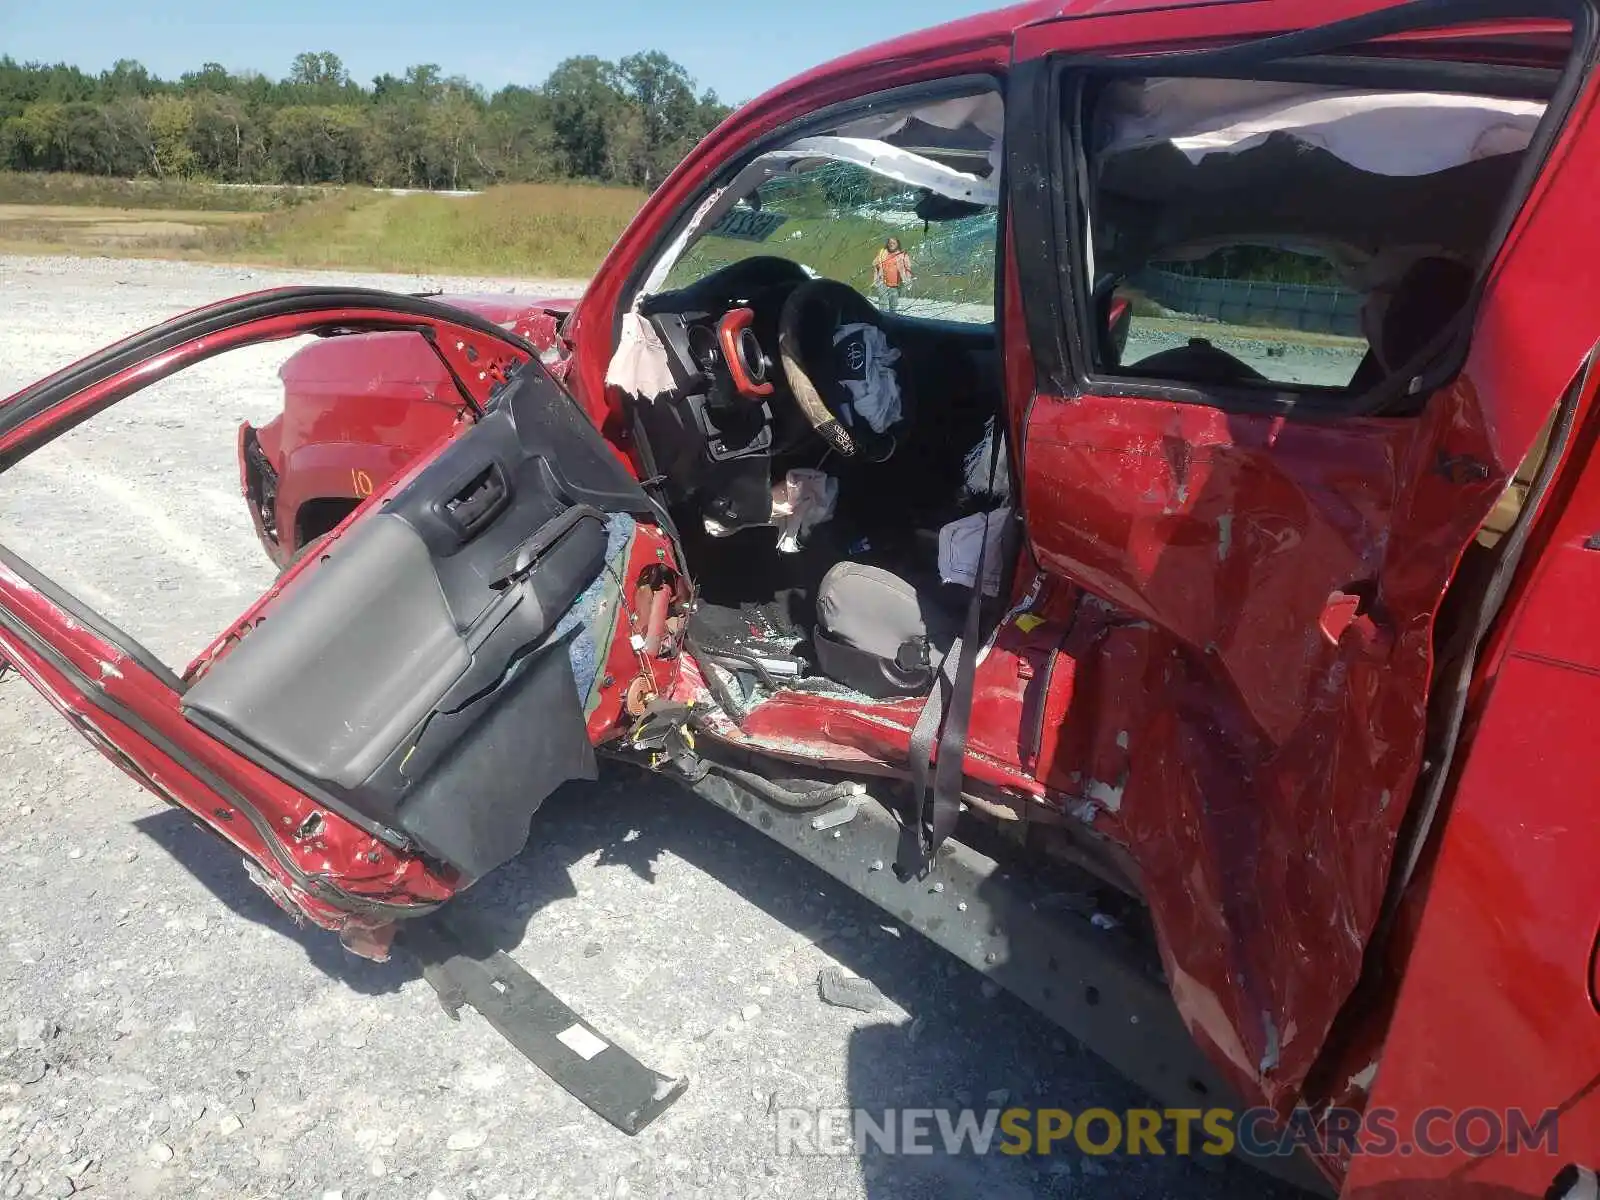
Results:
[421, 634]
[378, 730]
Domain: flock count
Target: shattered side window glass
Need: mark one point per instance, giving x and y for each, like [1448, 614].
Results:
[843, 221]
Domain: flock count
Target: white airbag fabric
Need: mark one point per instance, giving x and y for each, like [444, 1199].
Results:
[873, 385]
[960, 543]
[903, 166]
[640, 366]
[1384, 133]
[804, 500]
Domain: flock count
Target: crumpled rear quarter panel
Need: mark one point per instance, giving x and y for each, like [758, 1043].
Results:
[1258, 772]
[1255, 764]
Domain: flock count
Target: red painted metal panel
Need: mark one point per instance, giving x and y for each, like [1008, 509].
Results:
[1495, 1011]
[1245, 715]
[1255, 767]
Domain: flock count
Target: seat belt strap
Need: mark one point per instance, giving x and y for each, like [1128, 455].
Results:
[912, 855]
[933, 815]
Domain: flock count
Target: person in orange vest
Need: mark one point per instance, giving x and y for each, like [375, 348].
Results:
[891, 271]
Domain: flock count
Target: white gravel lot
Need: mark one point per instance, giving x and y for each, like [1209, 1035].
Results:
[165, 1031]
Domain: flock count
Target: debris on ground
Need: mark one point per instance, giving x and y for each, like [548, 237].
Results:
[467, 1139]
[34, 1032]
[846, 991]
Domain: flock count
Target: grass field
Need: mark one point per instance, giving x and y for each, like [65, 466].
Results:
[522, 229]
[69, 229]
[519, 230]
[138, 195]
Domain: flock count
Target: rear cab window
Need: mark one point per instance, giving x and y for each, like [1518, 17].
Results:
[1298, 233]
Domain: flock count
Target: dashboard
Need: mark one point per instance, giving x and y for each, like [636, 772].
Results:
[713, 438]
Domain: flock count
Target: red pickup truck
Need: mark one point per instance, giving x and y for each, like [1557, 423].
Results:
[1206, 671]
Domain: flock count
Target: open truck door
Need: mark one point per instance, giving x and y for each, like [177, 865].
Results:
[377, 731]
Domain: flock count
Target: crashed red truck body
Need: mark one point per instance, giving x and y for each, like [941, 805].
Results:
[1286, 663]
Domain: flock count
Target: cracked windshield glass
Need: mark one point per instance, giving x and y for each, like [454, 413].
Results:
[902, 247]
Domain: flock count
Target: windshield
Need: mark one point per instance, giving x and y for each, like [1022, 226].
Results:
[902, 206]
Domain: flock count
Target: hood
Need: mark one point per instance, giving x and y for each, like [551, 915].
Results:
[509, 308]
[369, 361]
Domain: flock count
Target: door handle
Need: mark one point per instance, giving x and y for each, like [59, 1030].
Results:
[477, 500]
[517, 564]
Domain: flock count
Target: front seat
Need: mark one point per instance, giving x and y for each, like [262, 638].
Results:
[879, 634]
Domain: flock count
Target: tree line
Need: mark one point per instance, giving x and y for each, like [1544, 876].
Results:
[625, 122]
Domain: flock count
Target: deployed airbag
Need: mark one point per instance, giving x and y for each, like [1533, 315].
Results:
[1385, 133]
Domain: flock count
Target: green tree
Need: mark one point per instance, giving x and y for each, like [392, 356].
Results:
[518, 142]
[132, 135]
[584, 100]
[226, 138]
[318, 77]
[126, 78]
[211, 77]
[709, 112]
[451, 130]
[35, 139]
[317, 144]
[628, 122]
[91, 143]
[627, 147]
[663, 121]
[171, 134]
[394, 153]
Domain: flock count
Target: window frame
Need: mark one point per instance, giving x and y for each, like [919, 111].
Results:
[96, 623]
[106, 379]
[1058, 292]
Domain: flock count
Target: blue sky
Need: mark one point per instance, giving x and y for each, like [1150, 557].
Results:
[739, 49]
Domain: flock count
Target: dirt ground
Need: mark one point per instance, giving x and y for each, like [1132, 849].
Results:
[166, 1031]
[86, 230]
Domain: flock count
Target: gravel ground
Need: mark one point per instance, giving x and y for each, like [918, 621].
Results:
[1279, 359]
[166, 1031]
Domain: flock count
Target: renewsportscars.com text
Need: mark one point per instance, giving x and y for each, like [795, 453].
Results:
[1258, 1132]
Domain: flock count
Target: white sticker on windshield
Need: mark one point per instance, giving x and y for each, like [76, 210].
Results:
[747, 225]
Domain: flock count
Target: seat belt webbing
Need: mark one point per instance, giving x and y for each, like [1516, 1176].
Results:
[932, 817]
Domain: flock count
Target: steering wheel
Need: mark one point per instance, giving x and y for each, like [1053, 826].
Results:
[812, 315]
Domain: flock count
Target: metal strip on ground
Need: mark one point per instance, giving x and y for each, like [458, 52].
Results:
[590, 1066]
